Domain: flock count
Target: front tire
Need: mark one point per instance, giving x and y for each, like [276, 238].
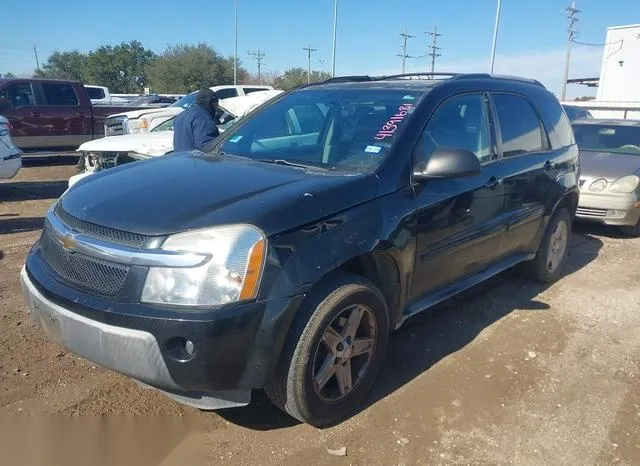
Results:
[333, 352]
[551, 257]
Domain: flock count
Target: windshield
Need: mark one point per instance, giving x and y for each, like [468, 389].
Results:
[349, 130]
[618, 139]
[186, 101]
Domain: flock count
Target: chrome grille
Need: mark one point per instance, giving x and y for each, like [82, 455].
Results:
[99, 232]
[115, 126]
[590, 212]
[85, 272]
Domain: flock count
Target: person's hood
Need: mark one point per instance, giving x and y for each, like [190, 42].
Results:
[608, 165]
[151, 143]
[192, 190]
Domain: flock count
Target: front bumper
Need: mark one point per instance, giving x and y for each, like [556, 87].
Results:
[233, 354]
[619, 210]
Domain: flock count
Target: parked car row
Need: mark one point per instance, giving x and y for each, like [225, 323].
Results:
[318, 224]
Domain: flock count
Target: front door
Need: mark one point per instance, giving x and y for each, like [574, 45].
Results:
[24, 112]
[69, 123]
[458, 221]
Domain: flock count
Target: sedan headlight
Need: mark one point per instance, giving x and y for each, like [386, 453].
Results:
[598, 185]
[625, 185]
[232, 273]
[141, 125]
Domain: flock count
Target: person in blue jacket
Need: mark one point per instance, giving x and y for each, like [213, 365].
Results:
[195, 128]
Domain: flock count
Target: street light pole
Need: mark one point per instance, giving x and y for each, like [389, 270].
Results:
[335, 30]
[235, 48]
[495, 35]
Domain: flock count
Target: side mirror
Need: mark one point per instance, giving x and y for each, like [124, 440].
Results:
[448, 163]
[5, 104]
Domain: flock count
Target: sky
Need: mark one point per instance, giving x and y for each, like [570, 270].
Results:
[531, 42]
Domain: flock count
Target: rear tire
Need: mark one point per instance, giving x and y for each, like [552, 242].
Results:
[631, 231]
[333, 351]
[551, 257]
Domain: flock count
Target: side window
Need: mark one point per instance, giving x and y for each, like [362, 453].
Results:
[309, 118]
[59, 94]
[519, 125]
[19, 95]
[249, 90]
[461, 122]
[227, 93]
[95, 93]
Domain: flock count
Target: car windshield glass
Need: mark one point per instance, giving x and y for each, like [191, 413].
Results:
[347, 129]
[618, 139]
[186, 101]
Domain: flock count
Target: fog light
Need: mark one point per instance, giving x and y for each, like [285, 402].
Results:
[189, 348]
[616, 213]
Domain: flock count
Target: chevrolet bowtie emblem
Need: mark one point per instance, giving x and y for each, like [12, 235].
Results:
[68, 242]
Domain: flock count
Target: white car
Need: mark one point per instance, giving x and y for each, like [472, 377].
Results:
[143, 121]
[10, 155]
[110, 151]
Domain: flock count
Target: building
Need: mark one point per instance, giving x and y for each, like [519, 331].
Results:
[620, 72]
[618, 94]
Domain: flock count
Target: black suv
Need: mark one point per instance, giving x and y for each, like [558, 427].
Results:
[319, 223]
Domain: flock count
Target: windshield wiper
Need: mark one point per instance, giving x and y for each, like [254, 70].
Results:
[289, 164]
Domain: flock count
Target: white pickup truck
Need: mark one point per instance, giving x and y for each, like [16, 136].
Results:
[143, 121]
[110, 151]
[100, 95]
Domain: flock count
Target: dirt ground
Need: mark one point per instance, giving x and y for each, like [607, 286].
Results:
[509, 373]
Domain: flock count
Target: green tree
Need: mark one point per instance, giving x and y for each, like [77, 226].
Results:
[122, 68]
[294, 77]
[186, 68]
[8, 75]
[64, 65]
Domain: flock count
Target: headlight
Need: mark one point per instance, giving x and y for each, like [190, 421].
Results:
[232, 274]
[625, 185]
[598, 185]
[140, 125]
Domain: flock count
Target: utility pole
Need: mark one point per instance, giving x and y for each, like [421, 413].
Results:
[404, 55]
[495, 36]
[35, 52]
[258, 57]
[309, 50]
[433, 47]
[572, 16]
[335, 31]
[322, 62]
[235, 48]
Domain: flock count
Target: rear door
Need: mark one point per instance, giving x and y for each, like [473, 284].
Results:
[68, 121]
[29, 129]
[458, 221]
[527, 167]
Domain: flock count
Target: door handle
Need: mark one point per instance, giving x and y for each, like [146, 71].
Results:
[493, 183]
[549, 165]
[35, 114]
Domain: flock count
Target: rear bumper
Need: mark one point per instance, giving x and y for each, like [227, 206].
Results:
[619, 210]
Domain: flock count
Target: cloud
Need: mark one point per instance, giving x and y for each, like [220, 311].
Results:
[545, 66]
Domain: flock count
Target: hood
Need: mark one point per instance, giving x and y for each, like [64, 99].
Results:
[156, 112]
[607, 165]
[130, 142]
[241, 105]
[191, 190]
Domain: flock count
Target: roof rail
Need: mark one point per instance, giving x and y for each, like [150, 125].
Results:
[414, 75]
[499, 76]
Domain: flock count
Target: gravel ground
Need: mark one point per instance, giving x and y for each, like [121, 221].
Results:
[509, 373]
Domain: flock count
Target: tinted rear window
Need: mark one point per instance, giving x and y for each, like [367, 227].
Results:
[95, 93]
[60, 94]
[519, 125]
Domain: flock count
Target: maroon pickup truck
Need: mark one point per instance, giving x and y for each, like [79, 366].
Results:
[52, 114]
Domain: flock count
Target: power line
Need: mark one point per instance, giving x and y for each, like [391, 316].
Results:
[258, 57]
[596, 45]
[404, 55]
[309, 50]
[572, 17]
[433, 47]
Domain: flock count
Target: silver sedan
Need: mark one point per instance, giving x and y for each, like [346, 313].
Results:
[610, 172]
